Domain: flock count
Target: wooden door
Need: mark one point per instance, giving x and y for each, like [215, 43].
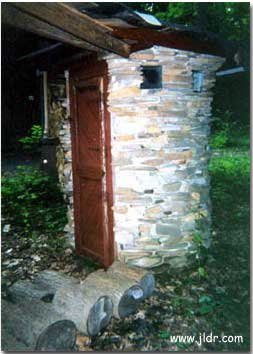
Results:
[92, 177]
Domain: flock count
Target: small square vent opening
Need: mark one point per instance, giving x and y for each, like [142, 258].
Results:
[152, 77]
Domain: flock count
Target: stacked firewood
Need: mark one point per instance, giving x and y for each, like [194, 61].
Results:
[45, 314]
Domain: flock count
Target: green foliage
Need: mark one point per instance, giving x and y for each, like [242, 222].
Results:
[164, 334]
[32, 140]
[32, 201]
[197, 239]
[180, 12]
[230, 19]
[206, 304]
[202, 272]
[230, 170]
[87, 263]
[228, 133]
[220, 139]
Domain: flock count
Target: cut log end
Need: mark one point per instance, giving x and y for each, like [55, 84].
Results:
[141, 276]
[130, 300]
[100, 315]
[148, 284]
[60, 335]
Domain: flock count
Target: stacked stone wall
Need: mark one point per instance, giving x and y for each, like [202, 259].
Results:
[160, 155]
[59, 127]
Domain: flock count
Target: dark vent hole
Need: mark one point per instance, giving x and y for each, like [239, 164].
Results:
[152, 77]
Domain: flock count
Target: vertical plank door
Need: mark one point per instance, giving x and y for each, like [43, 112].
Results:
[92, 177]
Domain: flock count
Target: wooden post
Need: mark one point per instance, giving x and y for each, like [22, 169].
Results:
[44, 74]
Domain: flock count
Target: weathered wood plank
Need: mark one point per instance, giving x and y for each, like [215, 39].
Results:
[78, 24]
[16, 18]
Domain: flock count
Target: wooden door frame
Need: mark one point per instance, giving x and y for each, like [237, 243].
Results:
[78, 74]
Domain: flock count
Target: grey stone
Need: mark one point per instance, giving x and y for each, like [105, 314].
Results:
[176, 262]
[170, 241]
[146, 262]
[172, 187]
[167, 229]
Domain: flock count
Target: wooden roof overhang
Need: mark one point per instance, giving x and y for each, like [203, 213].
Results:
[123, 33]
[64, 23]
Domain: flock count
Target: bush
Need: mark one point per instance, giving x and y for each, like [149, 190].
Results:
[219, 140]
[230, 180]
[229, 134]
[32, 202]
[32, 141]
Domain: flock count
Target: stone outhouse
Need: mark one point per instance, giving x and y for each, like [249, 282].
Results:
[155, 116]
[131, 112]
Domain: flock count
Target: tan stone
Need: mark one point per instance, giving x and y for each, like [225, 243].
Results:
[152, 212]
[142, 56]
[167, 105]
[153, 129]
[161, 139]
[126, 192]
[125, 137]
[120, 209]
[179, 155]
[174, 72]
[154, 162]
[144, 228]
[124, 92]
[175, 66]
[177, 78]
[196, 196]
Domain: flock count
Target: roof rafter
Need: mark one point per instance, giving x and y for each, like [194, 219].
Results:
[70, 20]
[16, 18]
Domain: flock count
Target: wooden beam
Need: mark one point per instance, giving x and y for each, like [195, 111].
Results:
[78, 24]
[147, 38]
[16, 18]
[36, 53]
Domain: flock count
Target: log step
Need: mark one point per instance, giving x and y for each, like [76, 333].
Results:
[86, 307]
[124, 292]
[34, 324]
[142, 277]
[46, 313]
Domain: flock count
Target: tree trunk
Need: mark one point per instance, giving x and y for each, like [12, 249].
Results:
[87, 307]
[124, 292]
[142, 277]
[35, 325]
[43, 287]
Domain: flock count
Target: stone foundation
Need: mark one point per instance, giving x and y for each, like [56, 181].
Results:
[160, 155]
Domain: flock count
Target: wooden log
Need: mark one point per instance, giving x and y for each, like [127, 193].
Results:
[144, 278]
[35, 324]
[43, 287]
[9, 342]
[89, 311]
[88, 308]
[124, 292]
[60, 335]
